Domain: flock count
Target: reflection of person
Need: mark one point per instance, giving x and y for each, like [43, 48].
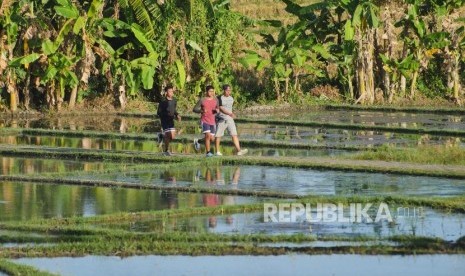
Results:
[210, 200]
[170, 198]
[169, 177]
[236, 176]
[167, 113]
[226, 121]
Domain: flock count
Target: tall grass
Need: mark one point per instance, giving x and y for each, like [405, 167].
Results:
[443, 154]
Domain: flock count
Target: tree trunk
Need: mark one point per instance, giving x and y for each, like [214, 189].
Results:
[276, 89]
[403, 85]
[369, 59]
[58, 98]
[456, 79]
[413, 86]
[12, 90]
[351, 85]
[72, 99]
[122, 93]
[361, 85]
[26, 91]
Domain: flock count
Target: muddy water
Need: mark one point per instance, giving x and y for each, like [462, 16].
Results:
[25, 201]
[291, 181]
[253, 265]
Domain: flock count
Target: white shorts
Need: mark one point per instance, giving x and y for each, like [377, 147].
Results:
[223, 125]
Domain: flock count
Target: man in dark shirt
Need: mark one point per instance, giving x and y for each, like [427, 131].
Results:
[167, 113]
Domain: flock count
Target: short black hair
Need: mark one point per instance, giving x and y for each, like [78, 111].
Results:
[168, 87]
[226, 86]
[208, 87]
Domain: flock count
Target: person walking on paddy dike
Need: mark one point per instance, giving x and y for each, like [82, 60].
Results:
[208, 109]
[225, 121]
[167, 113]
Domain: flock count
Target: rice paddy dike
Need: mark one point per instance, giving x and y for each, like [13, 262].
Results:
[98, 185]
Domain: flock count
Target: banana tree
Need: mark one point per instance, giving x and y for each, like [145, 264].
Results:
[120, 67]
[364, 16]
[405, 67]
[85, 33]
[10, 17]
[448, 13]
[454, 54]
[293, 55]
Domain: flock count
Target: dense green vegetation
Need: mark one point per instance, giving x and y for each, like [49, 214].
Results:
[359, 51]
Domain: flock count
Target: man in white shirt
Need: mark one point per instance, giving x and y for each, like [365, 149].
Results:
[225, 121]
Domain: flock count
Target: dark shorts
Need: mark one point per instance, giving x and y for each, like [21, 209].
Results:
[167, 124]
[207, 128]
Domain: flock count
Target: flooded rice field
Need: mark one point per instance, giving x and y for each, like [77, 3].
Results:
[114, 194]
[26, 201]
[379, 118]
[419, 221]
[287, 180]
[151, 146]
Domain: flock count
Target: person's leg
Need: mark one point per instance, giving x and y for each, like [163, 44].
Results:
[206, 130]
[212, 134]
[236, 143]
[217, 144]
[220, 128]
[169, 136]
[231, 126]
[207, 142]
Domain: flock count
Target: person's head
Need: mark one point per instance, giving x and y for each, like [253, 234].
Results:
[210, 91]
[169, 91]
[226, 90]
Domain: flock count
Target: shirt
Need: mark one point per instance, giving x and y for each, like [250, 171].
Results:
[167, 109]
[226, 103]
[209, 106]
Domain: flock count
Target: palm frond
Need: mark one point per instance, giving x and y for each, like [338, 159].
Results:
[143, 17]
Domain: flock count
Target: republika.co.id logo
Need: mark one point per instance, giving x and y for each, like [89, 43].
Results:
[330, 212]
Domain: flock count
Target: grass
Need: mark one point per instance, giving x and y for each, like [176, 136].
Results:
[445, 155]
[11, 268]
[321, 163]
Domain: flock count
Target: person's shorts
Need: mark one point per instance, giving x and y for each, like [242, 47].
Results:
[223, 125]
[167, 125]
[207, 128]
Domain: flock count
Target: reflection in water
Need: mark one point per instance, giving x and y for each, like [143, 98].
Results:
[431, 224]
[394, 119]
[291, 181]
[96, 122]
[149, 146]
[24, 201]
[16, 165]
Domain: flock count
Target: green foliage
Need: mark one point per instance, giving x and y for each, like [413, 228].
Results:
[431, 82]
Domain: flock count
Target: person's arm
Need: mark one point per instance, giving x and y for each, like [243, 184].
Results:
[159, 109]
[176, 114]
[229, 113]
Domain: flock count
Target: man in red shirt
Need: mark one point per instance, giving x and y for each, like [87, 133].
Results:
[209, 108]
